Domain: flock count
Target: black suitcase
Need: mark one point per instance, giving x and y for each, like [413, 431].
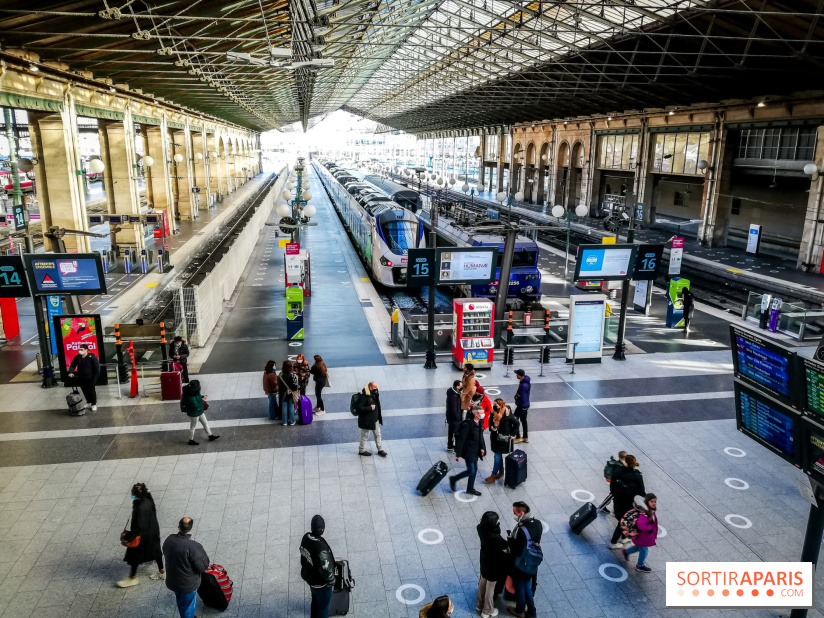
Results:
[515, 468]
[433, 476]
[342, 592]
[583, 517]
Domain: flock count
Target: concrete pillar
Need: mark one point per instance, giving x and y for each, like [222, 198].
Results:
[551, 168]
[643, 181]
[158, 181]
[716, 203]
[227, 180]
[182, 173]
[811, 252]
[59, 174]
[501, 162]
[213, 165]
[122, 195]
[199, 167]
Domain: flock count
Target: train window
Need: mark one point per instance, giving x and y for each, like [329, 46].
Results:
[521, 259]
[400, 235]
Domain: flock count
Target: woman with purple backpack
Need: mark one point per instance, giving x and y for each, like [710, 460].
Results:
[646, 527]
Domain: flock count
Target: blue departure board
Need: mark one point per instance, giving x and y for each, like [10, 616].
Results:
[763, 364]
[768, 422]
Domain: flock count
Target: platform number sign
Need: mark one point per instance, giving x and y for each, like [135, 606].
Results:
[421, 267]
[19, 218]
[647, 262]
[13, 282]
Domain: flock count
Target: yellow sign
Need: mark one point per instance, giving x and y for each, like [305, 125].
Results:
[608, 240]
[151, 285]
[735, 270]
[282, 242]
[364, 278]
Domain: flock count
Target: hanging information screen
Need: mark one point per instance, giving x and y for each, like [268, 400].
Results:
[466, 265]
[762, 364]
[586, 326]
[605, 262]
[65, 273]
[13, 282]
[812, 376]
[768, 422]
[813, 458]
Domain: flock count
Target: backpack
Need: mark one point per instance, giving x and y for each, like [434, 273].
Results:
[611, 466]
[353, 404]
[629, 523]
[531, 557]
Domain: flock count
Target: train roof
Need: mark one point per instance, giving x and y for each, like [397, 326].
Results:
[521, 242]
[392, 188]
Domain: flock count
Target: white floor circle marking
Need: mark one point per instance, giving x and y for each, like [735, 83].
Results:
[438, 536]
[461, 496]
[589, 495]
[735, 452]
[734, 483]
[295, 344]
[609, 565]
[405, 601]
[662, 532]
[492, 390]
[746, 522]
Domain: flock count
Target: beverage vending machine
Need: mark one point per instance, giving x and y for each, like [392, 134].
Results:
[473, 335]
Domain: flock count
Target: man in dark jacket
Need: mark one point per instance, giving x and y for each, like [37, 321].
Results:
[185, 561]
[494, 553]
[522, 582]
[179, 353]
[317, 567]
[86, 368]
[453, 413]
[469, 445]
[522, 403]
[626, 483]
[368, 408]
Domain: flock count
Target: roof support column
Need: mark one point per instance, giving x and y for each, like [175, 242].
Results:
[811, 252]
[588, 168]
[158, 180]
[551, 168]
[182, 180]
[642, 182]
[499, 186]
[715, 207]
[59, 174]
[227, 179]
[213, 164]
[200, 158]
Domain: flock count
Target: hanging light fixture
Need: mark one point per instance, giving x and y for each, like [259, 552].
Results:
[283, 210]
[309, 210]
[97, 166]
[148, 161]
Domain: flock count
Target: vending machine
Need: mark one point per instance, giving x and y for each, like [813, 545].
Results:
[675, 302]
[473, 336]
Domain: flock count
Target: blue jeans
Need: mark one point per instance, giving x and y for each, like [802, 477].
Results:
[642, 553]
[186, 603]
[321, 600]
[470, 472]
[498, 466]
[273, 405]
[523, 596]
[288, 409]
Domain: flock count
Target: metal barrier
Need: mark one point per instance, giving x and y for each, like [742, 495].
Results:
[544, 353]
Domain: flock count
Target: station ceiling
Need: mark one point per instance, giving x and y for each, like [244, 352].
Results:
[422, 65]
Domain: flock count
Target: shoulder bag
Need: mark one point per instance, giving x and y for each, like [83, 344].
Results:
[125, 541]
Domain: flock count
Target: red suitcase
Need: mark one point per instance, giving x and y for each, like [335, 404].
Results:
[171, 385]
[215, 587]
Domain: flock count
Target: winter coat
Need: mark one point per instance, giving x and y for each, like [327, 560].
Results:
[470, 440]
[270, 383]
[517, 542]
[493, 552]
[647, 530]
[486, 406]
[144, 523]
[317, 563]
[367, 417]
[86, 369]
[288, 383]
[453, 406]
[468, 389]
[302, 371]
[318, 375]
[182, 352]
[625, 484]
[504, 428]
[185, 560]
[191, 404]
[522, 396]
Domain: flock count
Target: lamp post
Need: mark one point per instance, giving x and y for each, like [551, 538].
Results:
[430, 316]
[622, 318]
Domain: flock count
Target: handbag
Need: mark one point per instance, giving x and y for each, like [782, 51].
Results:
[205, 405]
[328, 383]
[295, 397]
[124, 537]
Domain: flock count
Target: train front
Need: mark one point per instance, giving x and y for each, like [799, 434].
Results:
[398, 230]
[524, 278]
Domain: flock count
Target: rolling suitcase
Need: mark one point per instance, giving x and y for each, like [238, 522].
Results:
[171, 386]
[515, 469]
[303, 411]
[76, 403]
[342, 592]
[583, 517]
[215, 587]
[432, 477]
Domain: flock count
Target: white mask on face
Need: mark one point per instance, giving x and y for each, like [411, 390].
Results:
[481, 416]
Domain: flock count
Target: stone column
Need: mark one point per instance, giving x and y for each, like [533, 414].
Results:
[213, 165]
[716, 204]
[182, 172]
[811, 252]
[200, 166]
[643, 180]
[122, 195]
[59, 174]
[501, 161]
[158, 181]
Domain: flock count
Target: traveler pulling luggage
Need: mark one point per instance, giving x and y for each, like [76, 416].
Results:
[76, 403]
[215, 587]
[341, 593]
[583, 517]
[303, 414]
[432, 477]
[515, 468]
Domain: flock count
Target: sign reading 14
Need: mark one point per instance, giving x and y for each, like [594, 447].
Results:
[10, 278]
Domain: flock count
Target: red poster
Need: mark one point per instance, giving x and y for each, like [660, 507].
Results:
[292, 248]
[75, 330]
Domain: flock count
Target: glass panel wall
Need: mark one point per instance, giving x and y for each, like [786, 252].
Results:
[460, 159]
[617, 152]
[492, 147]
[448, 157]
[679, 153]
[472, 161]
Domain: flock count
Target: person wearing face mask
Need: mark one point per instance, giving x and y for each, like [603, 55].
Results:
[501, 432]
[647, 526]
[526, 528]
[469, 445]
[85, 368]
[368, 410]
[453, 413]
[143, 524]
[494, 552]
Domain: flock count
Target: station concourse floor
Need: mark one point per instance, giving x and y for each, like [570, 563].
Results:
[65, 481]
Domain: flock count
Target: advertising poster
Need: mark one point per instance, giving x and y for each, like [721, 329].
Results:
[463, 266]
[66, 273]
[586, 326]
[74, 330]
[639, 300]
[54, 307]
[676, 253]
[754, 239]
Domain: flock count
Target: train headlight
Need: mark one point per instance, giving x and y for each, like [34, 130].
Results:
[493, 288]
[523, 289]
[530, 289]
[386, 262]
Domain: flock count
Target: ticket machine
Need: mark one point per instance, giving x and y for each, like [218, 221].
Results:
[294, 313]
[473, 324]
[675, 302]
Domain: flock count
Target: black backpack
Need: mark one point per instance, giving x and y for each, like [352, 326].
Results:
[353, 404]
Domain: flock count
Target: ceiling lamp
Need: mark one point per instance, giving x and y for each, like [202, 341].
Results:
[97, 166]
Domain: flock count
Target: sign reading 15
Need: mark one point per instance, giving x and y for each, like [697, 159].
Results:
[422, 269]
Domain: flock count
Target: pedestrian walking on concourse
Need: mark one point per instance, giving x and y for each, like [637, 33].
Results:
[468, 387]
[482, 400]
[442, 607]
[494, 553]
[647, 526]
[526, 528]
[317, 568]
[626, 483]
[289, 391]
[501, 433]
[143, 524]
[85, 368]
[179, 353]
[194, 404]
[469, 445]
[522, 403]
[453, 413]
[302, 371]
[368, 407]
[185, 562]
[688, 308]
[270, 387]
[320, 374]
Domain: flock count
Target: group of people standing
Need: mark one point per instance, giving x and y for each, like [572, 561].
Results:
[285, 389]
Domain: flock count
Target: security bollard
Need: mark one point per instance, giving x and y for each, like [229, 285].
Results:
[160, 260]
[127, 262]
[105, 261]
[144, 262]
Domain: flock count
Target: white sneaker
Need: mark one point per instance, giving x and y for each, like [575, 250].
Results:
[626, 541]
[494, 613]
[128, 581]
[94, 408]
[616, 546]
[158, 575]
[321, 412]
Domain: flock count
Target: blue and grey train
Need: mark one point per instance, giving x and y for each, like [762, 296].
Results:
[382, 230]
[524, 277]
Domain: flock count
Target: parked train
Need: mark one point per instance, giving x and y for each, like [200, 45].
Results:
[382, 230]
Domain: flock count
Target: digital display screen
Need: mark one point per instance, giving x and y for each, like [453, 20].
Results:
[762, 364]
[475, 266]
[814, 455]
[588, 325]
[768, 422]
[605, 262]
[813, 374]
[66, 273]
